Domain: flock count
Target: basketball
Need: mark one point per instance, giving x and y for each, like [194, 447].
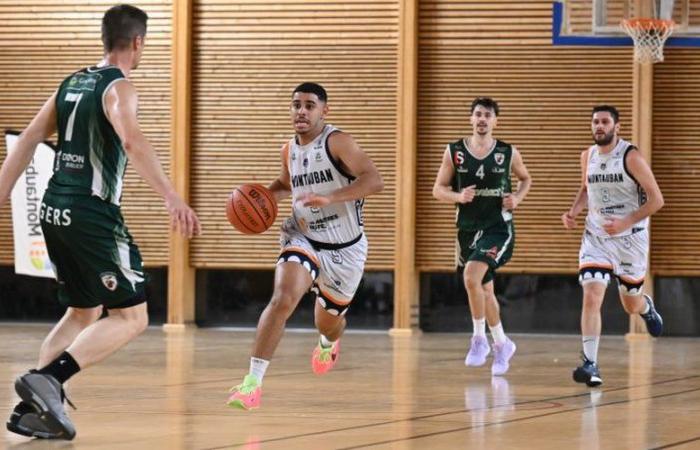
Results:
[251, 208]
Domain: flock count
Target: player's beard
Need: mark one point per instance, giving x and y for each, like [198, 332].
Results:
[606, 139]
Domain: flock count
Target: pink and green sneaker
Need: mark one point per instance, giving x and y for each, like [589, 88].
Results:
[323, 359]
[246, 395]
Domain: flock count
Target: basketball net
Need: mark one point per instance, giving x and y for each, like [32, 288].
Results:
[649, 36]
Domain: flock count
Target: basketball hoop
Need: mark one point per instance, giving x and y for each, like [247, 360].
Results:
[649, 36]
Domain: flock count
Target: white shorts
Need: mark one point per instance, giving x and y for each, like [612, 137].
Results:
[336, 273]
[625, 257]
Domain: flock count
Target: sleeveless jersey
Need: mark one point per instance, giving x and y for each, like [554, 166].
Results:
[313, 169]
[612, 191]
[491, 175]
[90, 159]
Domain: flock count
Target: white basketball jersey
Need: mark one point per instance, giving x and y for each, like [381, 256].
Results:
[313, 169]
[612, 191]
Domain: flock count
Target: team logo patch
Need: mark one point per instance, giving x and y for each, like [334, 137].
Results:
[499, 158]
[603, 166]
[109, 279]
[459, 158]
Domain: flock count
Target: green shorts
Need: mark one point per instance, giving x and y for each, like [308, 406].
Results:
[494, 246]
[94, 257]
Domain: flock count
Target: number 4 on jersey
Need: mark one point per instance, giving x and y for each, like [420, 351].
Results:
[480, 172]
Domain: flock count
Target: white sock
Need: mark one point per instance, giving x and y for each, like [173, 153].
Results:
[258, 367]
[325, 343]
[497, 333]
[590, 347]
[479, 327]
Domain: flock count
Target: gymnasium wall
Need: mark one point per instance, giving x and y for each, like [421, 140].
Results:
[41, 43]
[248, 58]
[249, 55]
[503, 49]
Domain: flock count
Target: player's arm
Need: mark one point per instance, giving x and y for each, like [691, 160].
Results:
[640, 171]
[282, 187]
[442, 188]
[581, 199]
[358, 164]
[511, 201]
[121, 108]
[42, 126]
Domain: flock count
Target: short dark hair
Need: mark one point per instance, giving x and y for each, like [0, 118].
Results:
[121, 24]
[486, 102]
[312, 88]
[607, 108]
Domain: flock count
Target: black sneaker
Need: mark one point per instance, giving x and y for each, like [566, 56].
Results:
[655, 324]
[588, 373]
[25, 420]
[43, 393]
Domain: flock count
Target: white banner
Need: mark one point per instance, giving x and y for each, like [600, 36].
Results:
[31, 257]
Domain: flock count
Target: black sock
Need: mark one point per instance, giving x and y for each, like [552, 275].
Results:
[61, 368]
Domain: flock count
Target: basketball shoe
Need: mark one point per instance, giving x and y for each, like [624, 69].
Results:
[246, 395]
[323, 359]
[588, 373]
[655, 324]
[501, 357]
[478, 351]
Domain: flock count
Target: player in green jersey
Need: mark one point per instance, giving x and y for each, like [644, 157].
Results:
[96, 262]
[475, 175]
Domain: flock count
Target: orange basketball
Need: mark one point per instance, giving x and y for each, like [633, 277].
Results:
[251, 208]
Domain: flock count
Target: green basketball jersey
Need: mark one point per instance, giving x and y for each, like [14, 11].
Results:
[491, 175]
[90, 158]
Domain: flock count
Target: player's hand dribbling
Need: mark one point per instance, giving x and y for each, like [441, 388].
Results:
[311, 200]
[568, 220]
[182, 218]
[614, 226]
[467, 194]
[510, 201]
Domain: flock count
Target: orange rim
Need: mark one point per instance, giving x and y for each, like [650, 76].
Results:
[648, 24]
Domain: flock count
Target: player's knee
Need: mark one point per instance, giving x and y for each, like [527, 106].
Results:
[472, 281]
[85, 316]
[282, 303]
[138, 322]
[593, 298]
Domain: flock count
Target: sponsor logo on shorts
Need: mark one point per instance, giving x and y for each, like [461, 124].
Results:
[109, 279]
[337, 258]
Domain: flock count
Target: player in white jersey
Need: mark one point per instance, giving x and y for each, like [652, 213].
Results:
[323, 245]
[620, 191]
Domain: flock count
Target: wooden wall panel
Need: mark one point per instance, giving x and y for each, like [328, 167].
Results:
[42, 42]
[545, 93]
[248, 57]
[676, 163]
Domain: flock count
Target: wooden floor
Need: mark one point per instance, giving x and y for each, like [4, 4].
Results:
[167, 391]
